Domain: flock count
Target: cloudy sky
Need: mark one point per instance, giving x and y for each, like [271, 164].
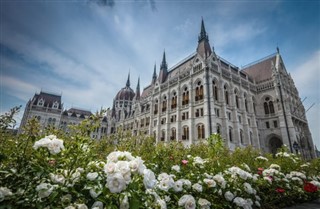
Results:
[85, 49]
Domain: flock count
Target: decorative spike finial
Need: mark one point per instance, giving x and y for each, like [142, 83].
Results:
[128, 81]
[203, 34]
[278, 50]
[155, 71]
[164, 62]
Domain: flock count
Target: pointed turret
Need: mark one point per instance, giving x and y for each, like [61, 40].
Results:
[138, 90]
[163, 69]
[154, 76]
[128, 81]
[203, 48]
[203, 35]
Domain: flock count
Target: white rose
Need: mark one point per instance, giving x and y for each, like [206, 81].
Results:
[210, 182]
[44, 190]
[187, 201]
[92, 176]
[176, 168]
[109, 168]
[178, 186]
[116, 183]
[124, 204]
[197, 187]
[204, 204]
[149, 179]
[229, 196]
[57, 179]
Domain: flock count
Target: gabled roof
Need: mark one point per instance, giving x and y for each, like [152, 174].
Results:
[49, 99]
[260, 70]
[74, 111]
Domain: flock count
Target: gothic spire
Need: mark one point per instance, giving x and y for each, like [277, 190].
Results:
[138, 90]
[154, 76]
[163, 69]
[203, 49]
[128, 81]
[203, 34]
[164, 62]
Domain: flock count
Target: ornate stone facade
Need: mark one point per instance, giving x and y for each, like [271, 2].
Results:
[257, 105]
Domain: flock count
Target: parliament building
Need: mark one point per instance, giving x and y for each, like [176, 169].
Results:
[256, 105]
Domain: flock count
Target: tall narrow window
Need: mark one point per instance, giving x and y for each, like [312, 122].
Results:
[268, 106]
[156, 107]
[199, 92]
[185, 96]
[215, 91]
[226, 95]
[173, 134]
[164, 104]
[241, 136]
[163, 135]
[218, 128]
[230, 134]
[236, 98]
[201, 131]
[174, 101]
[185, 135]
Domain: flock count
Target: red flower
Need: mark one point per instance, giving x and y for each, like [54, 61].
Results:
[309, 187]
[260, 171]
[184, 162]
[280, 190]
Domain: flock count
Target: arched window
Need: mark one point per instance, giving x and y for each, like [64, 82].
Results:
[218, 128]
[163, 135]
[199, 92]
[241, 136]
[226, 94]
[155, 107]
[268, 106]
[185, 135]
[173, 134]
[185, 96]
[215, 91]
[174, 100]
[236, 98]
[201, 134]
[164, 104]
[230, 134]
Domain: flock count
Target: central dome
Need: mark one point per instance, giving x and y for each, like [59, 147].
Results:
[125, 93]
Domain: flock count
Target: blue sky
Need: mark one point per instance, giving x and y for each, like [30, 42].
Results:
[85, 50]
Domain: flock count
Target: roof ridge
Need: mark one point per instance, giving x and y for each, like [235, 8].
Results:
[258, 61]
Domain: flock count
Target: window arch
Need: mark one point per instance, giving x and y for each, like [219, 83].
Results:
[226, 94]
[155, 111]
[245, 101]
[268, 106]
[164, 104]
[185, 96]
[215, 90]
[163, 135]
[173, 134]
[185, 135]
[174, 100]
[218, 128]
[230, 134]
[199, 91]
[236, 97]
[201, 131]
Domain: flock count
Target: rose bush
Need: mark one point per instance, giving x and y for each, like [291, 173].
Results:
[51, 169]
